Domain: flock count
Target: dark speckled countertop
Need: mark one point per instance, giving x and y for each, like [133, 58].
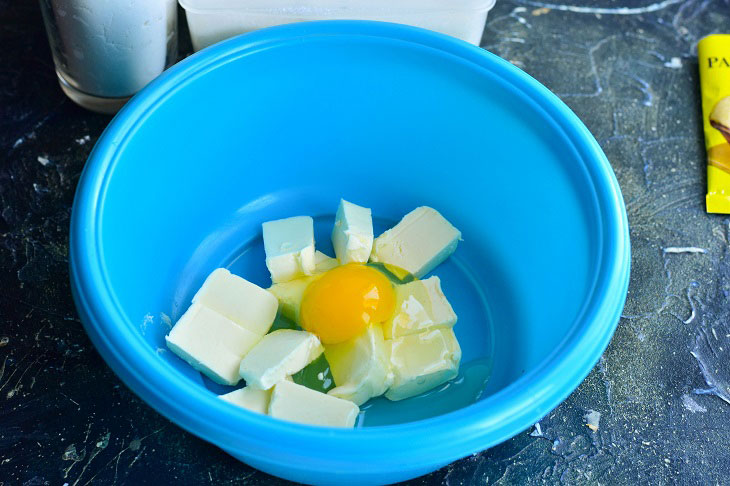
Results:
[656, 409]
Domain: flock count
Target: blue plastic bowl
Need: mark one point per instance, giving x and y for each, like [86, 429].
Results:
[286, 121]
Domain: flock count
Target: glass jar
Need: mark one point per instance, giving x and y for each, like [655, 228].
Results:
[106, 50]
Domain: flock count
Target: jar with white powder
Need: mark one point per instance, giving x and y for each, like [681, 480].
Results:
[107, 50]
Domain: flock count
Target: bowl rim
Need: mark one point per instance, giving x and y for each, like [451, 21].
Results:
[450, 436]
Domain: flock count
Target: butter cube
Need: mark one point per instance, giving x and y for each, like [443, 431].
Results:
[244, 303]
[278, 355]
[322, 262]
[421, 362]
[211, 343]
[249, 398]
[420, 305]
[289, 246]
[289, 294]
[297, 403]
[352, 236]
[418, 243]
[360, 366]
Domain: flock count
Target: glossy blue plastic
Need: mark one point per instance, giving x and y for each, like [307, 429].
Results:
[287, 120]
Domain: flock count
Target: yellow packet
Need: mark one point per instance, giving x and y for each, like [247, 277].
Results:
[714, 59]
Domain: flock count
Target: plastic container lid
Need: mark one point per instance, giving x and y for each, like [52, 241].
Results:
[318, 7]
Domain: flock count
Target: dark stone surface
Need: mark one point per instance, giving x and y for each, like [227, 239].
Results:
[661, 388]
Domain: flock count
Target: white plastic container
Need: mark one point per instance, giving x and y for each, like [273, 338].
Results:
[211, 21]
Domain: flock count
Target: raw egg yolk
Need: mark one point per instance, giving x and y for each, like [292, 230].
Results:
[341, 303]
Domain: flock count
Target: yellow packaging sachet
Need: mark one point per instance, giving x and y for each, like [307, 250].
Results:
[714, 59]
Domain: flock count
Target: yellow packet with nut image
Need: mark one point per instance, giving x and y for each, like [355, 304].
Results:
[713, 53]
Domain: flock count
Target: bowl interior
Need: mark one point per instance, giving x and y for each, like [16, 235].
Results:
[241, 144]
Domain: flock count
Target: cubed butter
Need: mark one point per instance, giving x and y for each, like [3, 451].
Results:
[352, 236]
[278, 355]
[323, 262]
[421, 362]
[297, 403]
[239, 300]
[289, 246]
[360, 366]
[211, 343]
[289, 294]
[249, 398]
[419, 306]
[418, 243]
